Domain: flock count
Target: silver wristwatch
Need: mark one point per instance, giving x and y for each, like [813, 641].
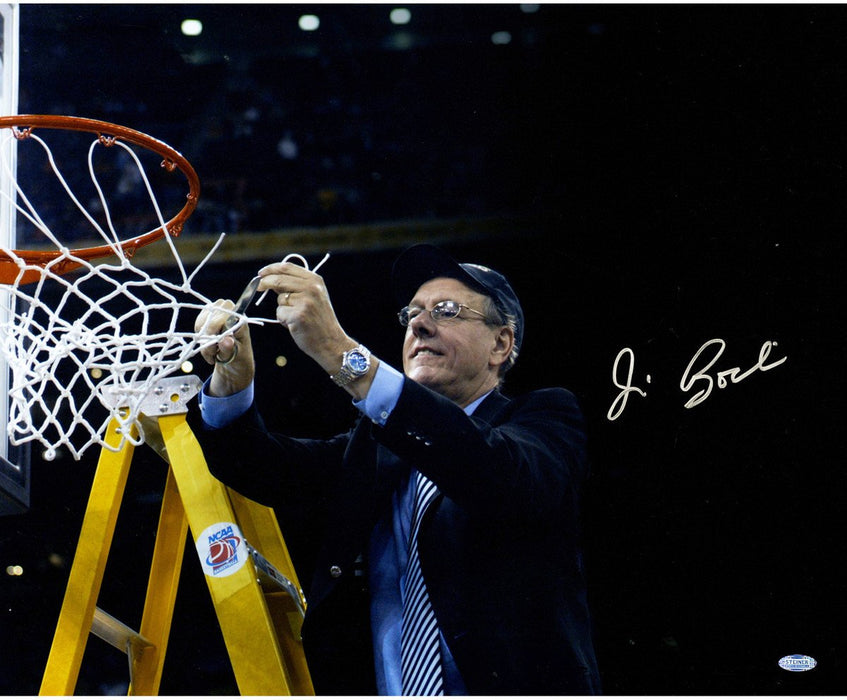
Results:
[354, 364]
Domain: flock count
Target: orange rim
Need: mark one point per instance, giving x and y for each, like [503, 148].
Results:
[23, 125]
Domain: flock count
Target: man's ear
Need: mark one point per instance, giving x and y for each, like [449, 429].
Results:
[504, 341]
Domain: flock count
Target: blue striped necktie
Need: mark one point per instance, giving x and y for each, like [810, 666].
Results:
[419, 641]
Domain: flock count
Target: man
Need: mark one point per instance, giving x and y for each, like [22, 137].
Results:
[502, 588]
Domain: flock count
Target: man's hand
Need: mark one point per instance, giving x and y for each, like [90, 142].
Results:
[304, 308]
[232, 356]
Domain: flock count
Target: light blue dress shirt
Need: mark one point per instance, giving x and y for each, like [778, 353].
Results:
[388, 547]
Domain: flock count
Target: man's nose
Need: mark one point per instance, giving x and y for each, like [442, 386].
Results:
[422, 325]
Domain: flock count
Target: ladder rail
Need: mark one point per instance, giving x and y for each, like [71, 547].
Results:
[86, 576]
[165, 567]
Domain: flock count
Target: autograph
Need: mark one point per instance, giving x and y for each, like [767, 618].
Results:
[692, 378]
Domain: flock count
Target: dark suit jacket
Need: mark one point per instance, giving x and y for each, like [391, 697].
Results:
[499, 547]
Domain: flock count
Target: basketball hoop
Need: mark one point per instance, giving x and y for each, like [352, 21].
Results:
[92, 346]
[25, 127]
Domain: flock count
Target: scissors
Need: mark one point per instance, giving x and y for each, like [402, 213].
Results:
[243, 303]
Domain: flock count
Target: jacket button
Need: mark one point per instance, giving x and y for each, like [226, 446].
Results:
[335, 571]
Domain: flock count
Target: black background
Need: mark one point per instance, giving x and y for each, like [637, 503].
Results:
[677, 173]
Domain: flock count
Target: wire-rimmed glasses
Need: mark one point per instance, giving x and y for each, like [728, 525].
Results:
[442, 311]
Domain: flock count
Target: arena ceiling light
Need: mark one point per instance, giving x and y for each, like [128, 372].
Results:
[400, 15]
[308, 23]
[191, 27]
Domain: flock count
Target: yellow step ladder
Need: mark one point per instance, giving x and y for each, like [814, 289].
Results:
[252, 582]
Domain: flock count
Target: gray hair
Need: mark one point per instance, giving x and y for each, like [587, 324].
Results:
[497, 317]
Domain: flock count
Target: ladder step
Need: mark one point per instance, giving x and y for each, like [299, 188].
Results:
[116, 633]
[270, 576]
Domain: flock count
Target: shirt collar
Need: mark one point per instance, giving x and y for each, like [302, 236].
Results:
[472, 406]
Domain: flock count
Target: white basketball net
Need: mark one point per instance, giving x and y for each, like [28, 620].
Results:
[90, 346]
[85, 358]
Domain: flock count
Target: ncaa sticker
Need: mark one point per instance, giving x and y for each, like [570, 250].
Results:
[222, 549]
[797, 662]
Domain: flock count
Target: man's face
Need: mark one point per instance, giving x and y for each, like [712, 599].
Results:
[458, 357]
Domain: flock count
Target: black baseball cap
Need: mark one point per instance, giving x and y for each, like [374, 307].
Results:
[424, 262]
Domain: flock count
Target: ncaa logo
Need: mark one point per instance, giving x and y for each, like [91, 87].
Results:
[222, 549]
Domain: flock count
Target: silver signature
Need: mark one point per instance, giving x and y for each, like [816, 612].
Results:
[696, 376]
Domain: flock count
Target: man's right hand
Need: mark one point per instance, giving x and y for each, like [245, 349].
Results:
[232, 356]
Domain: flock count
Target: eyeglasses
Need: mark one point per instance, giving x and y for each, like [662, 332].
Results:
[442, 311]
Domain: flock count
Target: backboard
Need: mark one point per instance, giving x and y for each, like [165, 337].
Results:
[14, 462]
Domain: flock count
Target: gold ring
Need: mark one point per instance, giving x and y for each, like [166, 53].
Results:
[223, 362]
[287, 295]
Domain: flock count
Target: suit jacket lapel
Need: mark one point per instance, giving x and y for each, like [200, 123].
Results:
[390, 470]
[492, 405]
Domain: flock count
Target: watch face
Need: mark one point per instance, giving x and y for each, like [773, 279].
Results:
[357, 362]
